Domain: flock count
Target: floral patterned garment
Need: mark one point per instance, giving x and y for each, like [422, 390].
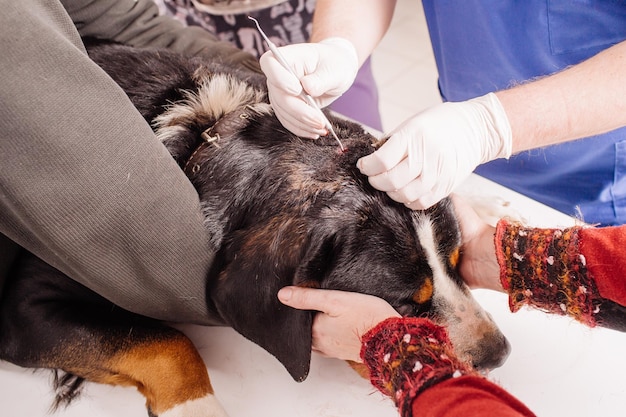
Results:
[284, 22]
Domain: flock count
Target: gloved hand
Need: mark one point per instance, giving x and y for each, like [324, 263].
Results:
[434, 151]
[326, 70]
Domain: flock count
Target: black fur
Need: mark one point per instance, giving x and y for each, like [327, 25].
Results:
[319, 220]
[281, 209]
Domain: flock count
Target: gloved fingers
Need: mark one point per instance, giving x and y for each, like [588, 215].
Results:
[413, 191]
[322, 85]
[432, 152]
[422, 182]
[278, 76]
[297, 116]
[388, 156]
[324, 70]
[333, 72]
[438, 190]
[416, 196]
[398, 177]
[424, 202]
[297, 127]
[284, 94]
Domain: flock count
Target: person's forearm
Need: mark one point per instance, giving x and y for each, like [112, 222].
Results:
[605, 252]
[362, 22]
[542, 268]
[574, 271]
[411, 360]
[584, 100]
[407, 355]
[468, 396]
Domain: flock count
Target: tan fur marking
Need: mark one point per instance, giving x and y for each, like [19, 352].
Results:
[425, 293]
[454, 257]
[360, 369]
[167, 373]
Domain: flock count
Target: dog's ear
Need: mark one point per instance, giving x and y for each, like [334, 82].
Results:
[245, 295]
[317, 259]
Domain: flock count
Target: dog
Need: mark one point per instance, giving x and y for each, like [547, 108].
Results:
[282, 210]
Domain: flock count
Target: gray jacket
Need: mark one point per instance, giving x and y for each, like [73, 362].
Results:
[84, 183]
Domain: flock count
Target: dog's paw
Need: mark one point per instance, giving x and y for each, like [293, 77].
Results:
[360, 369]
[207, 406]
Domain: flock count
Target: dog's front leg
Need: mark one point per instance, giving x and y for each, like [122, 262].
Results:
[48, 320]
[168, 371]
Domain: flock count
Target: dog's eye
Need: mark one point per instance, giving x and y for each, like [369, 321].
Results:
[406, 310]
[420, 302]
[415, 310]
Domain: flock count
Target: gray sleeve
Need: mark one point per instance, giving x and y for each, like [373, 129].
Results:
[137, 23]
[84, 183]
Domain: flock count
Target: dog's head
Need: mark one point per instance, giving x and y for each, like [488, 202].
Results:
[283, 210]
[309, 218]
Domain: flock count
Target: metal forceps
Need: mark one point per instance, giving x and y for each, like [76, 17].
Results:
[306, 97]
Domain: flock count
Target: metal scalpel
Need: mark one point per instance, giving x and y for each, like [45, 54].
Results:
[306, 97]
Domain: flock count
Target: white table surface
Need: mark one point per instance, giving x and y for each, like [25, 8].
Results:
[557, 367]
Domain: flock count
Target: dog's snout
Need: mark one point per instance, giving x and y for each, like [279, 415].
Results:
[492, 351]
[475, 336]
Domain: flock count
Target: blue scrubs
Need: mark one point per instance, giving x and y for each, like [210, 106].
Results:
[488, 45]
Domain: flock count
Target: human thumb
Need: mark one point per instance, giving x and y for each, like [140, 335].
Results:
[302, 298]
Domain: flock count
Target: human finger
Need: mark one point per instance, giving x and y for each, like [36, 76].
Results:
[297, 116]
[390, 154]
[401, 176]
[310, 299]
[279, 76]
[418, 190]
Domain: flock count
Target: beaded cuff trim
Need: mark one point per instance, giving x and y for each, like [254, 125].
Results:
[545, 269]
[407, 355]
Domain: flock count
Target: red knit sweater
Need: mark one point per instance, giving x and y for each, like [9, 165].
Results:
[578, 271]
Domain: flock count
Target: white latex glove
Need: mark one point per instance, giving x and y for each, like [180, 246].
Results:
[434, 151]
[325, 69]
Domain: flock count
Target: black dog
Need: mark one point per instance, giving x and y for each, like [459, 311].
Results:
[281, 210]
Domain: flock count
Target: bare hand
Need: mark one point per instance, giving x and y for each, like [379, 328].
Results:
[478, 266]
[342, 319]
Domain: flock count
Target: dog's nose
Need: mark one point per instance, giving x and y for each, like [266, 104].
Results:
[492, 352]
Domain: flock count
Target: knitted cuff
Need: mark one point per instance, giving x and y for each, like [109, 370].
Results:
[544, 268]
[407, 355]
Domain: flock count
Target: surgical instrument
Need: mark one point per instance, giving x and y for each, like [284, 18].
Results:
[306, 97]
